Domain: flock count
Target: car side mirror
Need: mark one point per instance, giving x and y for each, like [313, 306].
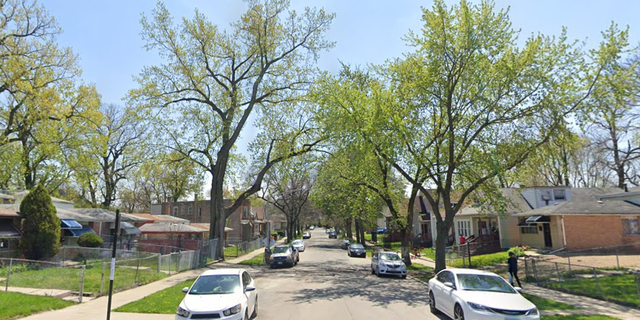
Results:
[185, 289]
[450, 285]
[249, 288]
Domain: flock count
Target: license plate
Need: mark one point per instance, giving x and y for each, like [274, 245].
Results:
[280, 262]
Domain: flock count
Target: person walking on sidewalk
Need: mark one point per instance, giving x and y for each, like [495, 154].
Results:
[513, 269]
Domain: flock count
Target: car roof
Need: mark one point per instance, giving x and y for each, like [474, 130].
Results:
[282, 245]
[298, 240]
[222, 271]
[470, 271]
[391, 252]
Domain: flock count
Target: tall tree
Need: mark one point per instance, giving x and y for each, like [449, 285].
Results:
[287, 187]
[214, 80]
[43, 105]
[613, 111]
[471, 103]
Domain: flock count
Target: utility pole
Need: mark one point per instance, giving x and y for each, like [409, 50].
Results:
[113, 263]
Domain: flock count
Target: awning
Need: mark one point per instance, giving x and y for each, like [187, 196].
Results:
[9, 231]
[538, 219]
[381, 230]
[129, 229]
[70, 224]
[77, 232]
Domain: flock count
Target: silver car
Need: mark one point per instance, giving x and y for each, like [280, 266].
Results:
[388, 263]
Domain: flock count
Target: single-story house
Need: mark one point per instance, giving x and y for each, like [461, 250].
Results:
[10, 234]
[584, 222]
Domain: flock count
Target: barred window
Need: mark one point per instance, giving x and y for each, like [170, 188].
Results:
[529, 230]
[175, 211]
[189, 211]
[630, 226]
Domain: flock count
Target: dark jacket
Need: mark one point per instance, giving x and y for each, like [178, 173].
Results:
[513, 264]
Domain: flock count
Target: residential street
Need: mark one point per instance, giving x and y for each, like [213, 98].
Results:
[328, 284]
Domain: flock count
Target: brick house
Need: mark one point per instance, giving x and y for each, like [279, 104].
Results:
[577, 219]
[246, 223]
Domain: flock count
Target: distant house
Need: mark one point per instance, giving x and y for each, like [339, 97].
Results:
[10, 221]
[167, 237]
[246, 223]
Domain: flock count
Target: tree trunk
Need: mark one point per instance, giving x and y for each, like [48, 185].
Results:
[441, 240]
[358, 230]
[349, 228]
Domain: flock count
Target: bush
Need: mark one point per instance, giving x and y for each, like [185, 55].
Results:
[90, 240]
[41, 227]
[519, 251]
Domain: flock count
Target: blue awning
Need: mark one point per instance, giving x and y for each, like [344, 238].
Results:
[78, 232]
[381, 230]
[70, 224]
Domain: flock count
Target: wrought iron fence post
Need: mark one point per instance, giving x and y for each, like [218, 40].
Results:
[102, 278]
[595, 276]
[637, 274]
[81, 284]
[6, 284]
[137, 269]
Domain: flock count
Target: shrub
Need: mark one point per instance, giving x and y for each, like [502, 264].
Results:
[519, 250]
[90, 240]
[41, 228]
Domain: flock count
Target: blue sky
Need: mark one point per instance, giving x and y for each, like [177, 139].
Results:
[106, 34]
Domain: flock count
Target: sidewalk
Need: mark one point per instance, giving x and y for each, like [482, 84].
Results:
[97, 308]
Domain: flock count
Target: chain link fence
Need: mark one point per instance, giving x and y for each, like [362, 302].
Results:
[238, 249]
[81, 272]
[619, 285]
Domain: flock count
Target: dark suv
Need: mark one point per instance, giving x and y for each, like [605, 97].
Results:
[333, 234]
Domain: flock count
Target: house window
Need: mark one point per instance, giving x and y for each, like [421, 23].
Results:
[182, 210]
[464, 228]
[529, 230]
[245, 213]
[4, 244]
[189, 211]
[199, 212]
[559, 194]
[175, 211]
[630, 227]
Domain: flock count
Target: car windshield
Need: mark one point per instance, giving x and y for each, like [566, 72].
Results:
[480, 282]
[216, 284]
[390, 257]
[280, 249]
[297, 242]
[357, 246]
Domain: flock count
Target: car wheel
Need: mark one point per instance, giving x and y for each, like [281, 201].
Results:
[432, 304]
[458, 314]
[255, 309]
[373, 271]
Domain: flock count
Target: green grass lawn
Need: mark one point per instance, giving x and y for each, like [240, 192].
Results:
[69, 278]
[420, 272]
[621, 288]
[480, 261]
[546, 304]
[17, 305]
[165, 301]
[255, 261]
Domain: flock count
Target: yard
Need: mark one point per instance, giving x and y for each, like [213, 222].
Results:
[17, 305]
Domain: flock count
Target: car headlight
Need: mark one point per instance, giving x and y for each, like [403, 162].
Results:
[182, 312]
[233, 310]
[477, 306]
[532, 312]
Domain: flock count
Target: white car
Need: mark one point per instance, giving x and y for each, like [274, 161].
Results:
[220, 294]
[475, 294]
[388, 263]
[299, 245]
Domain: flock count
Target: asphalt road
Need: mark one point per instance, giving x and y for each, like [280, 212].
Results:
[328, 284]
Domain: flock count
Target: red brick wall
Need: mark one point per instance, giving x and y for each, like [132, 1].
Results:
[585, 232]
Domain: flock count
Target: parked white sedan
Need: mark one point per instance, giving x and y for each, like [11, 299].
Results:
[299, 245]
[220, 294]
[388, 263]
[475, 294]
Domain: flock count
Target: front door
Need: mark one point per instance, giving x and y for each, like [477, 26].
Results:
[546, 229]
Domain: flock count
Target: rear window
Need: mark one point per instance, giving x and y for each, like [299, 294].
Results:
[280, 249]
